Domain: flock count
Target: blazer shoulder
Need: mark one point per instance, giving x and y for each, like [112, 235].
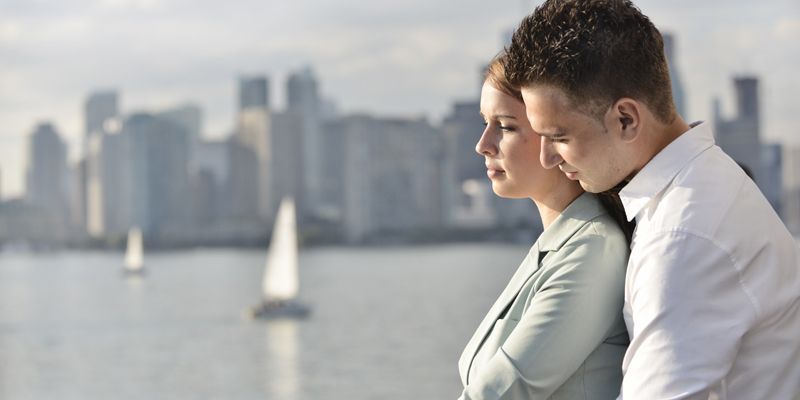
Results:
[599, 243]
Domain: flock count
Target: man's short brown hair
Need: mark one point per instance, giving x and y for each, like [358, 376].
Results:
[597, 51]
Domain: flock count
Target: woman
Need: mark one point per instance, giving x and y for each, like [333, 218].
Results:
[557, 329]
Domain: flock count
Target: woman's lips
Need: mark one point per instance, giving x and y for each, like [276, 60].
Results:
[494, 173]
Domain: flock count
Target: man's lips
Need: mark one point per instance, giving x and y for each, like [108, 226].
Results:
[569, 173]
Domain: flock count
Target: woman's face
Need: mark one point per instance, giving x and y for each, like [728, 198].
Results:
[511, 148]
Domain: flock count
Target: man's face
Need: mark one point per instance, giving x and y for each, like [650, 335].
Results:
[582, 147]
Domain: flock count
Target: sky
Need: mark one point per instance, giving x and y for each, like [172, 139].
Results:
[410, 58]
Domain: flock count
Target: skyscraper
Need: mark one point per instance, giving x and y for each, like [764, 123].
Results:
[190, 118]
[462, 129]
[99, 107]
[159, 171]
[253, 92]
[187, 116]
[678, 94]
[790, 212]
[209, 180]
[47, 175]
[254, 134]
[740, 136]
[391, 176]
[286, 163]
[304, 102]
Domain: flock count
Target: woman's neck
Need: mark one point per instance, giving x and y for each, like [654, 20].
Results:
[551, 206]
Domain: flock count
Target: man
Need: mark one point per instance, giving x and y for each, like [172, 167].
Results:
[712, 292]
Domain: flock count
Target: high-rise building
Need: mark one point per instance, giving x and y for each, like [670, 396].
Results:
[747, 101]
[99, 107]
[275, 141]
[334, 141]
[209, 182]
[303, 101]
[391, 176]
[678, 94]
[790, 210]
[772, 180]
[187, 116]
[159, 191]
[254, 133]
[77, 195]
[95, 206]
[242, 185]
[253, 92]
[47, 175]
[108, 182]
[740, 136]
[190, 118]
[463, 201]
[287, 159]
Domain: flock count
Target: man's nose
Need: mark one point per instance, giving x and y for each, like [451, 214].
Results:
[548, 155]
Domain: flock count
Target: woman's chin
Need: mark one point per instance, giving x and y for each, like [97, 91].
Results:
[506, 192]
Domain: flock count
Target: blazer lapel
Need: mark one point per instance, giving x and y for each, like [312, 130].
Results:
[529, 265]
[583, 209]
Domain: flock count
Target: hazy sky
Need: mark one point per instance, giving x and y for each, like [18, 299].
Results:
[411, 57]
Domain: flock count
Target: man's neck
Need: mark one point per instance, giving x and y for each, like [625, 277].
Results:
[660, 138]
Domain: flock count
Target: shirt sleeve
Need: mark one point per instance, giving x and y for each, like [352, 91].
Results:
[689, 311]
[568, 317]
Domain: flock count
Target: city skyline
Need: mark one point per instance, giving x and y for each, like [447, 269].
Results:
[59, 56]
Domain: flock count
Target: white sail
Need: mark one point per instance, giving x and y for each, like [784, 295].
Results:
[280, 273]
[134, 257]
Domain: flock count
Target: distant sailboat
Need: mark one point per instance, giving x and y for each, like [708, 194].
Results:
[134, 255]
[280, 283]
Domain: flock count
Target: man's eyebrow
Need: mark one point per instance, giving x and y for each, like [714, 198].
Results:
[560, 132]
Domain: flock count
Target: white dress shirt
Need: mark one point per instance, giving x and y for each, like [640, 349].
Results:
[712, 291]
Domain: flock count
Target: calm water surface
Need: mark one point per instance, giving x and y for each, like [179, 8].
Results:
[387, 323]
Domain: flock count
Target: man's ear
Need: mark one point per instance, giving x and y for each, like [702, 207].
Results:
[626, 118]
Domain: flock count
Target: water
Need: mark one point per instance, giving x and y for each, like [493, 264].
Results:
[387, 323]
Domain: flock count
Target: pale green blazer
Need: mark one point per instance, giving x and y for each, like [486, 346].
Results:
[556, 332]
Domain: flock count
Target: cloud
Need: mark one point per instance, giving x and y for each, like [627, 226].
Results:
[127, 5]
[414, 57]
[10, 32]
[787, 28]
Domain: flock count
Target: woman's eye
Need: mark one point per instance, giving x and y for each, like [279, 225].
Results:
[507, 128]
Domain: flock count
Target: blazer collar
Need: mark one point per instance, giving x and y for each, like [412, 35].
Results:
[582, 210]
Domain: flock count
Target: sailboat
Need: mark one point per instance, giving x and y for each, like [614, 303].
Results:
[281, 283]
[134, 255]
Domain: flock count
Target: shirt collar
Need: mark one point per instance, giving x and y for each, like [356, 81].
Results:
[582, 210]
[661, 170]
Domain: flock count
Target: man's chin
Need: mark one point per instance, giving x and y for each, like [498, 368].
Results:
[594, 188]
[591, 188]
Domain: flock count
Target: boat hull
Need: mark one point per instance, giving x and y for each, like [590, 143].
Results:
[274, 309]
